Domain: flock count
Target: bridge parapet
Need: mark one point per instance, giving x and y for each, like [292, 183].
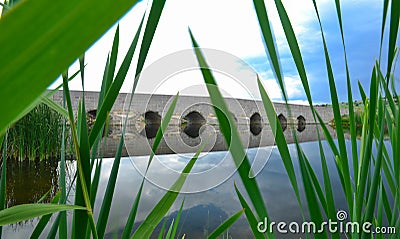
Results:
[193, 120]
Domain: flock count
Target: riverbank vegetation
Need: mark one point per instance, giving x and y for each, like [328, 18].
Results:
[36, 136]
[361, 167]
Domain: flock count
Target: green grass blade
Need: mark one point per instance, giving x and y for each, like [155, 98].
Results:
[106, 83]
[109, 70]
[386, 204]
[81, 186]
[231, 135]
[79, 121]
[152, 22]
[338, 121]
[113, 60]
[132, 214]
[395, 216]
[388, 94]
[161, 234]
[155, 216]
[63, 233]
[55, 107]
[380, 211]
[314, 210]
[53, 230]
[362, 93]
[297, 57]
[376, 179]
[294, 48]
[45, 41]
[393, 33]
[251, 219]
[45, 219]
[279, 138]
[168, 236]
[384, 15]
[27, 211]
[352, 121]
[65, 74]
[95, 182]
[396, 147]
[331, 208]
[2, 140]
[164, 124]
[316, 185]
[112, 93]
[177, 220]
[388, 170]
[82, 68]
[327, 135]
[84, 177]
[41, 199]
[365, 164]
[353, 136]
[106, 204]
[3, 185]
[397, 225]
[225, 225]
[269, 42]
[162, 129]
[103, 89]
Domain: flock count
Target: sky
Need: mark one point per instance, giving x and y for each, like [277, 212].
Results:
[229, 28]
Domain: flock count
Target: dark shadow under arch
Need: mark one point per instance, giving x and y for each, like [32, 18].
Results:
[192, 124]
[301, 123]
[152, 123]
[282, 121]
[255, 124]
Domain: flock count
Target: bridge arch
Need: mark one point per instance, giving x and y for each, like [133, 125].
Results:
[192, 124]
[301, 123]
[283, 121]
[92, 113]
[256, 124]
[152, 122]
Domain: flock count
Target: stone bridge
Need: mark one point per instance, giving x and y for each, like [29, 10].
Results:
[193, 121]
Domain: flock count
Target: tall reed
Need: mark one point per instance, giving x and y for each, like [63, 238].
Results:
[37, 135]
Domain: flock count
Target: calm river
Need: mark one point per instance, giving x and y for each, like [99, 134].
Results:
[209, 199]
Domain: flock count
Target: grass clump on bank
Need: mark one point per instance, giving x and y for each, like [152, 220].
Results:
[36, 136]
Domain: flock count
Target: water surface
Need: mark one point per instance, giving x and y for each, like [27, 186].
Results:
[209, 192]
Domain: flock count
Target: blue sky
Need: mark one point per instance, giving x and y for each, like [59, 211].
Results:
[362, 26]
[232, 27]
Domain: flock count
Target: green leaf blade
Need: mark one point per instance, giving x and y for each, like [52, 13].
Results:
[27, 211]
[225, 225]
[44, 40]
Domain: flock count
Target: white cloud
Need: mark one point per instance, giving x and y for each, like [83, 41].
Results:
[226, 25]
[294, 88]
